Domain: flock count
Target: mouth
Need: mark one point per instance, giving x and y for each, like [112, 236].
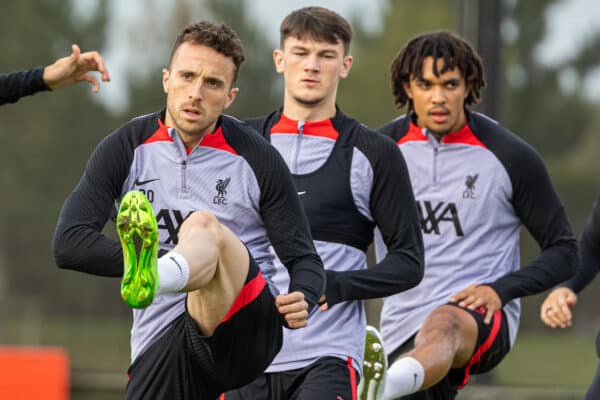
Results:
[192, 112]
[439, 115]
[310, 82]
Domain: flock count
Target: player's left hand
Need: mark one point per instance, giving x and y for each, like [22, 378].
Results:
[476, 296]
[294, 309]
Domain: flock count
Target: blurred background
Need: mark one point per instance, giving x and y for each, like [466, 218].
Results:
[542, 61]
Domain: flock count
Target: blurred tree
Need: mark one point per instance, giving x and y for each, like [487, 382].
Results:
[43, 147]
[535, 106]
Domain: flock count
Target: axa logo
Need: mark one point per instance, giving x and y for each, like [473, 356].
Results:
[435, 216]
[171, 220]
[221, 188]
[469, 192]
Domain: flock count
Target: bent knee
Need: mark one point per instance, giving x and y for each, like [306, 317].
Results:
[201, 222]
[450, 320]
[201, 218]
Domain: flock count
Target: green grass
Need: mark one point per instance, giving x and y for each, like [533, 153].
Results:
[559, 360]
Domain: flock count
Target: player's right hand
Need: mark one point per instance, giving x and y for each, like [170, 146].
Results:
[294, 309]
[556, 309]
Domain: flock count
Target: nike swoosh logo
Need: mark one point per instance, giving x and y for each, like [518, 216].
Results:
[301, 193]
[178, 265]
[140, 183]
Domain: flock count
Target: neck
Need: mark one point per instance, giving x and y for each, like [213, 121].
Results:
[302, 112]
[189, 139]
[438, 135]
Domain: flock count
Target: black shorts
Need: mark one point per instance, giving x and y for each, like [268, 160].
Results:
[185, 364]
[493, 344]
[327, 378]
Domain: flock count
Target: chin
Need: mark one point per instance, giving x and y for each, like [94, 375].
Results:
[439, 130]
[306, 101]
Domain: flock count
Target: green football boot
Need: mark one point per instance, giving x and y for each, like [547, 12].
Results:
[138, 232]
[372, 384]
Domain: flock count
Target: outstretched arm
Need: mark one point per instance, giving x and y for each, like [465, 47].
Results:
[63, 72]
[76, 68]
[15, 85]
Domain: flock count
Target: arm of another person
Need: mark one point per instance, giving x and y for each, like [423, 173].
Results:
[393, 208]
[63, 72]
[556, 310]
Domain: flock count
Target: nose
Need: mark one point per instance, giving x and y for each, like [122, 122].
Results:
[438, 95]
[312, 64]
[196, 91]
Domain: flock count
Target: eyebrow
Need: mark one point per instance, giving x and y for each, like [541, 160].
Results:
[214, 79]
[452, 80]
[449, 80]
[206, 77]
[329, 51]
[298, 47]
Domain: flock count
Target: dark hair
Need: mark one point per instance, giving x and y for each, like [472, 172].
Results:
[218, 37]
[451, 48]
[316, 23]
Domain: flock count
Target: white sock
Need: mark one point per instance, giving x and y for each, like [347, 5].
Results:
[173, 273]
[405, 376]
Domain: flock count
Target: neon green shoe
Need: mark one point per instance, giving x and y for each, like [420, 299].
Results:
[372, 384]
[138, 232]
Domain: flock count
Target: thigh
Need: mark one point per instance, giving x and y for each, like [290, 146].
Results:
[493, 344]
[329, 378]
[248, 337]
[211, 302]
